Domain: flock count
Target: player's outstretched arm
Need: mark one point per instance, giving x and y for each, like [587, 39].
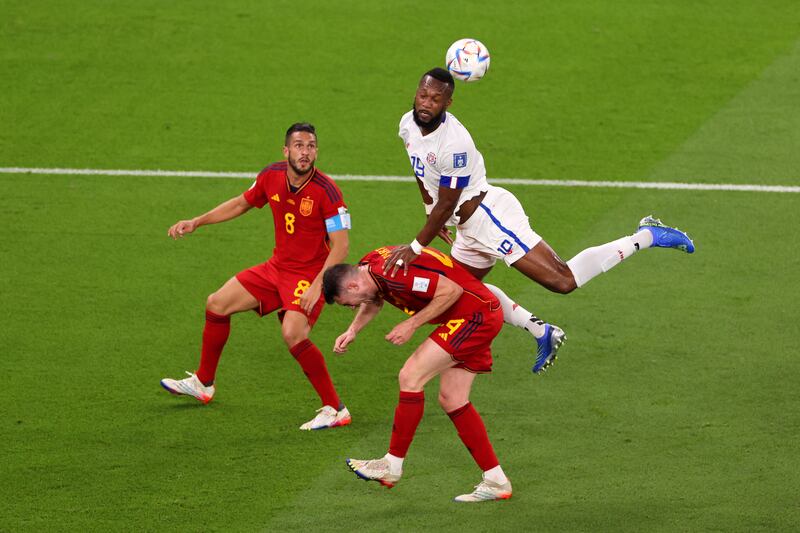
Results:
[447, 293]
[366, 312]
[224, 211]
[340, 244]
[442, 211]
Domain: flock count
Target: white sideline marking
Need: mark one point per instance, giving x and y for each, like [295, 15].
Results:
[347, 177]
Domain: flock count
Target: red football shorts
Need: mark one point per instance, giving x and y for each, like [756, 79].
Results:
[279, 290]
[467, 334]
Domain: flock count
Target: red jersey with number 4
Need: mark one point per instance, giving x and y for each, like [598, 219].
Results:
[413, 291]
[301, 236]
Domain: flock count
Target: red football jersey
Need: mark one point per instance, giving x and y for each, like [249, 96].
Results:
[413, 291]
[301, 237]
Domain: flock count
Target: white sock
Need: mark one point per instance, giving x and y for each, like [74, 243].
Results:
[594, 261]
[496, 475]
[395, 464]
[516, 315]
[642, 239]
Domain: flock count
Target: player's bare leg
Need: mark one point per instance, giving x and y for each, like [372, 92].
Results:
[548, 337]
[455, 385]
[295, 329]
[544, 266]
[231, 298]
[428, 360]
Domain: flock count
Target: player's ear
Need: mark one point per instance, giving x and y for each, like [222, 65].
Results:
[285, 151]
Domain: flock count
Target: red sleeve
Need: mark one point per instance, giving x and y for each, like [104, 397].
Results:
[419, 282]
[332, 199]
[256, 195]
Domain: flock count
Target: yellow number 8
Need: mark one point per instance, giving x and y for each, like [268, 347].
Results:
[302, 286]
[289, 223]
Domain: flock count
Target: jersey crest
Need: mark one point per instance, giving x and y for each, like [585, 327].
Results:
[306, 205]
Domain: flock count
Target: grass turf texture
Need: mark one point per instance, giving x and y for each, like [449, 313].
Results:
[672, 407]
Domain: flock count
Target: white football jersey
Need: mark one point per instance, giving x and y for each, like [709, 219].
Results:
[447, 157]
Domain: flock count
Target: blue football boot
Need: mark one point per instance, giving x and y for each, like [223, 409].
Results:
[548, 345]
[665, 236]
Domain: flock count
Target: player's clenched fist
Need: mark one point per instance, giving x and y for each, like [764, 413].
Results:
[179, 229]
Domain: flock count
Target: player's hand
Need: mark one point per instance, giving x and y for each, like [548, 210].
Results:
[446, 235]
[181, 228]
[401, 333]
[341, 342]
[310, 297]
[400, 257]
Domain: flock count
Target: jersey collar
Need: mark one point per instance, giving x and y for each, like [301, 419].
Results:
[301, 187]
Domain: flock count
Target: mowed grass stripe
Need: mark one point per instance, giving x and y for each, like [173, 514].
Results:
[349, 177]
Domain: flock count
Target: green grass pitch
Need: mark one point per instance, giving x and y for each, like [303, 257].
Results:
[674, 405]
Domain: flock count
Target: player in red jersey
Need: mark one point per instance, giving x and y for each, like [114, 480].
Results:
[436, 291]
[311, 233]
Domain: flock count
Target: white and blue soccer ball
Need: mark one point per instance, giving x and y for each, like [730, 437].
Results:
[467, 59]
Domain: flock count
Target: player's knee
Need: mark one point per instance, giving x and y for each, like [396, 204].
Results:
[291, 338]
[409, 380]
[450, 402]
[216, 304]
[565, 284]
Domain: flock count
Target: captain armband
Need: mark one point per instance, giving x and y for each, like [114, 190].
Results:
[339, 221]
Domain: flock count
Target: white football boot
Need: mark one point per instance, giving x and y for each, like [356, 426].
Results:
[190, 386]
[374, 470]
[328, 417]
[486, 491]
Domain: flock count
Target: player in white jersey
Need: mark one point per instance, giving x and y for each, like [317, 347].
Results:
[491, 223]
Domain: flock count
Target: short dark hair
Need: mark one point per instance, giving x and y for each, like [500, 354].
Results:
[332, 280]
[443, 76]
[299, 126]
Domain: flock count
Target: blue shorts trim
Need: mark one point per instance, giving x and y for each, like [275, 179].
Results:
[504, 229]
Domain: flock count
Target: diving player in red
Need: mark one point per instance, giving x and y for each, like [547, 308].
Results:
[311, 234]
[435, 290]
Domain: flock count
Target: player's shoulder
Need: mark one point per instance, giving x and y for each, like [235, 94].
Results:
[406, 122]
[375, 256]
[456, 137]
[407, 118]
[327, 185]
[454, 129]
[276, 168]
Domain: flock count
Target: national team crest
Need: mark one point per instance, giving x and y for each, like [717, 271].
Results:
[431, 158]
[306, 205]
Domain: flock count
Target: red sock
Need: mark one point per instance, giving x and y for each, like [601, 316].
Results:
[215, 335]
[473, 434]
[313, 365]
[406, 419]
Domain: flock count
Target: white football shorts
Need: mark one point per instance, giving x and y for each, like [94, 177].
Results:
[498, 229]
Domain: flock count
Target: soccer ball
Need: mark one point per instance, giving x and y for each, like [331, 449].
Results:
[467, 59]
